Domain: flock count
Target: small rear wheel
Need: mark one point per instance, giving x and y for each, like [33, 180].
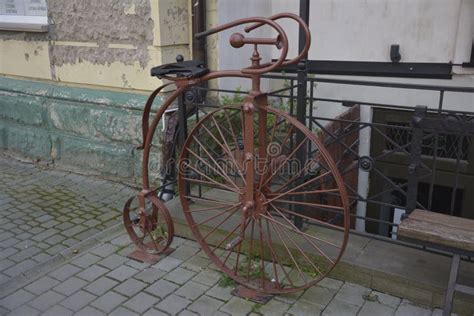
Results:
[150, 229]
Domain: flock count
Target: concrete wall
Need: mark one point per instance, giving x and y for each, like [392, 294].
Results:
[73, 96]
[85, 130]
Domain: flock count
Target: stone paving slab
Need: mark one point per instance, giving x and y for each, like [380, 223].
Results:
[86, 285]
[45, 211]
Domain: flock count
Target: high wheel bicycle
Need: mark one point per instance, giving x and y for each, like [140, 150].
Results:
[260, 192]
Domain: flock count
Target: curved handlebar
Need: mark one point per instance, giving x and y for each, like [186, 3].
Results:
[301, 22]
[283, 40]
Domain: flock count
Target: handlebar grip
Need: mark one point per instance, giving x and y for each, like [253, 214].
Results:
[203, 34]
[302, 24]
[260, 21]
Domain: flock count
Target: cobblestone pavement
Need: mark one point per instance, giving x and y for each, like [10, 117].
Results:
[45, 211]
[40, 209]
[103, 281]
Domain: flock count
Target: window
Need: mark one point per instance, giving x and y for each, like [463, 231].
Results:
[23, 15]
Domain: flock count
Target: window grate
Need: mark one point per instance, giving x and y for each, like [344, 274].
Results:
[449, 146]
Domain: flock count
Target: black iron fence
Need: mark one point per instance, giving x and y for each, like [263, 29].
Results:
[394, 157]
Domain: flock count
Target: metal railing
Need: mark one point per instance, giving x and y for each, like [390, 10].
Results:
[418, 154]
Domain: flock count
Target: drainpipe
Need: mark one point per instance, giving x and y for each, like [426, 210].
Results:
[363, 180]
[199, 25]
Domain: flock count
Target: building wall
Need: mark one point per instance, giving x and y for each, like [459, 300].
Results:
[356, 30]
[73, 96]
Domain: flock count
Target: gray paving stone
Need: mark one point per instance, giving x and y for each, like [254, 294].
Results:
[70, 286]
[304, 308]
[387, 299]
[205, 305]
[91, 223]
[376, 308]
[207, 277]
[5, 253]
[112, 261]
[331, 283]
[122, 273]
[89, 311]
[196, 263]
[289, 298]
[24, 310]
[130, 287]
[86, 260]
[408, 308]
[340, 308]
[352, 294]
[57, 310]
[78, 300]
[87, 233]
[41, 257]
[149, 275]
[184, 252]
[55, 239]
[56, 249]
[274, 308]
[6, 263]
[46, 300]
[3, 310]
[76, 229]
[19, 268]
[221, 293]
[16, 299]
[121, 311]
[237, 306]
[318, 295]
[11, 241]
[101, 285]
[41, 285]
[173, 304]
[187, 313]
[161, 288]
[92, 273]
[104, 250]
[141, 302]
[192, 290]
[64, 272]
[180, 275]
[108, 301]
[137, 265]
[122, 240]
[155, 312]
[45, 234]
[167, 264]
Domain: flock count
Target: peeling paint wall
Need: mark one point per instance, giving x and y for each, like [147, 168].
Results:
[104, 45]
[117, 42]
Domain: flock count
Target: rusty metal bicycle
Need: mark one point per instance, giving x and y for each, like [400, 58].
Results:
[271, 222]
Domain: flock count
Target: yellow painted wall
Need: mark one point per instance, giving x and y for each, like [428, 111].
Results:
[26, 59]
[171, 31]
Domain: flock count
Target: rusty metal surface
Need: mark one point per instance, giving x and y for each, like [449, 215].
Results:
[255, 196]
[149, 225]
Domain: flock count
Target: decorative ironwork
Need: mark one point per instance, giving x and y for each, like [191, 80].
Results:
[366, 163]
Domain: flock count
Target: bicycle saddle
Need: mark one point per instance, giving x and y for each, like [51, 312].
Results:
[188, 69]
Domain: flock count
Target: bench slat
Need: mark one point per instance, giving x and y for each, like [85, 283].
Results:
[435, 228]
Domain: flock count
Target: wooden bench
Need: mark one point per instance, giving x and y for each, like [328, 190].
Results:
[443, 232]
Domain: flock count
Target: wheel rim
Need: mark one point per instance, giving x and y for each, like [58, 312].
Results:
[153, 232]
[264, 248]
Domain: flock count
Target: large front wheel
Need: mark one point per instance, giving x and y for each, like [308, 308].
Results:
[296, 228]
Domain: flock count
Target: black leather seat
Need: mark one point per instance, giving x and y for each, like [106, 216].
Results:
[188, 69]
